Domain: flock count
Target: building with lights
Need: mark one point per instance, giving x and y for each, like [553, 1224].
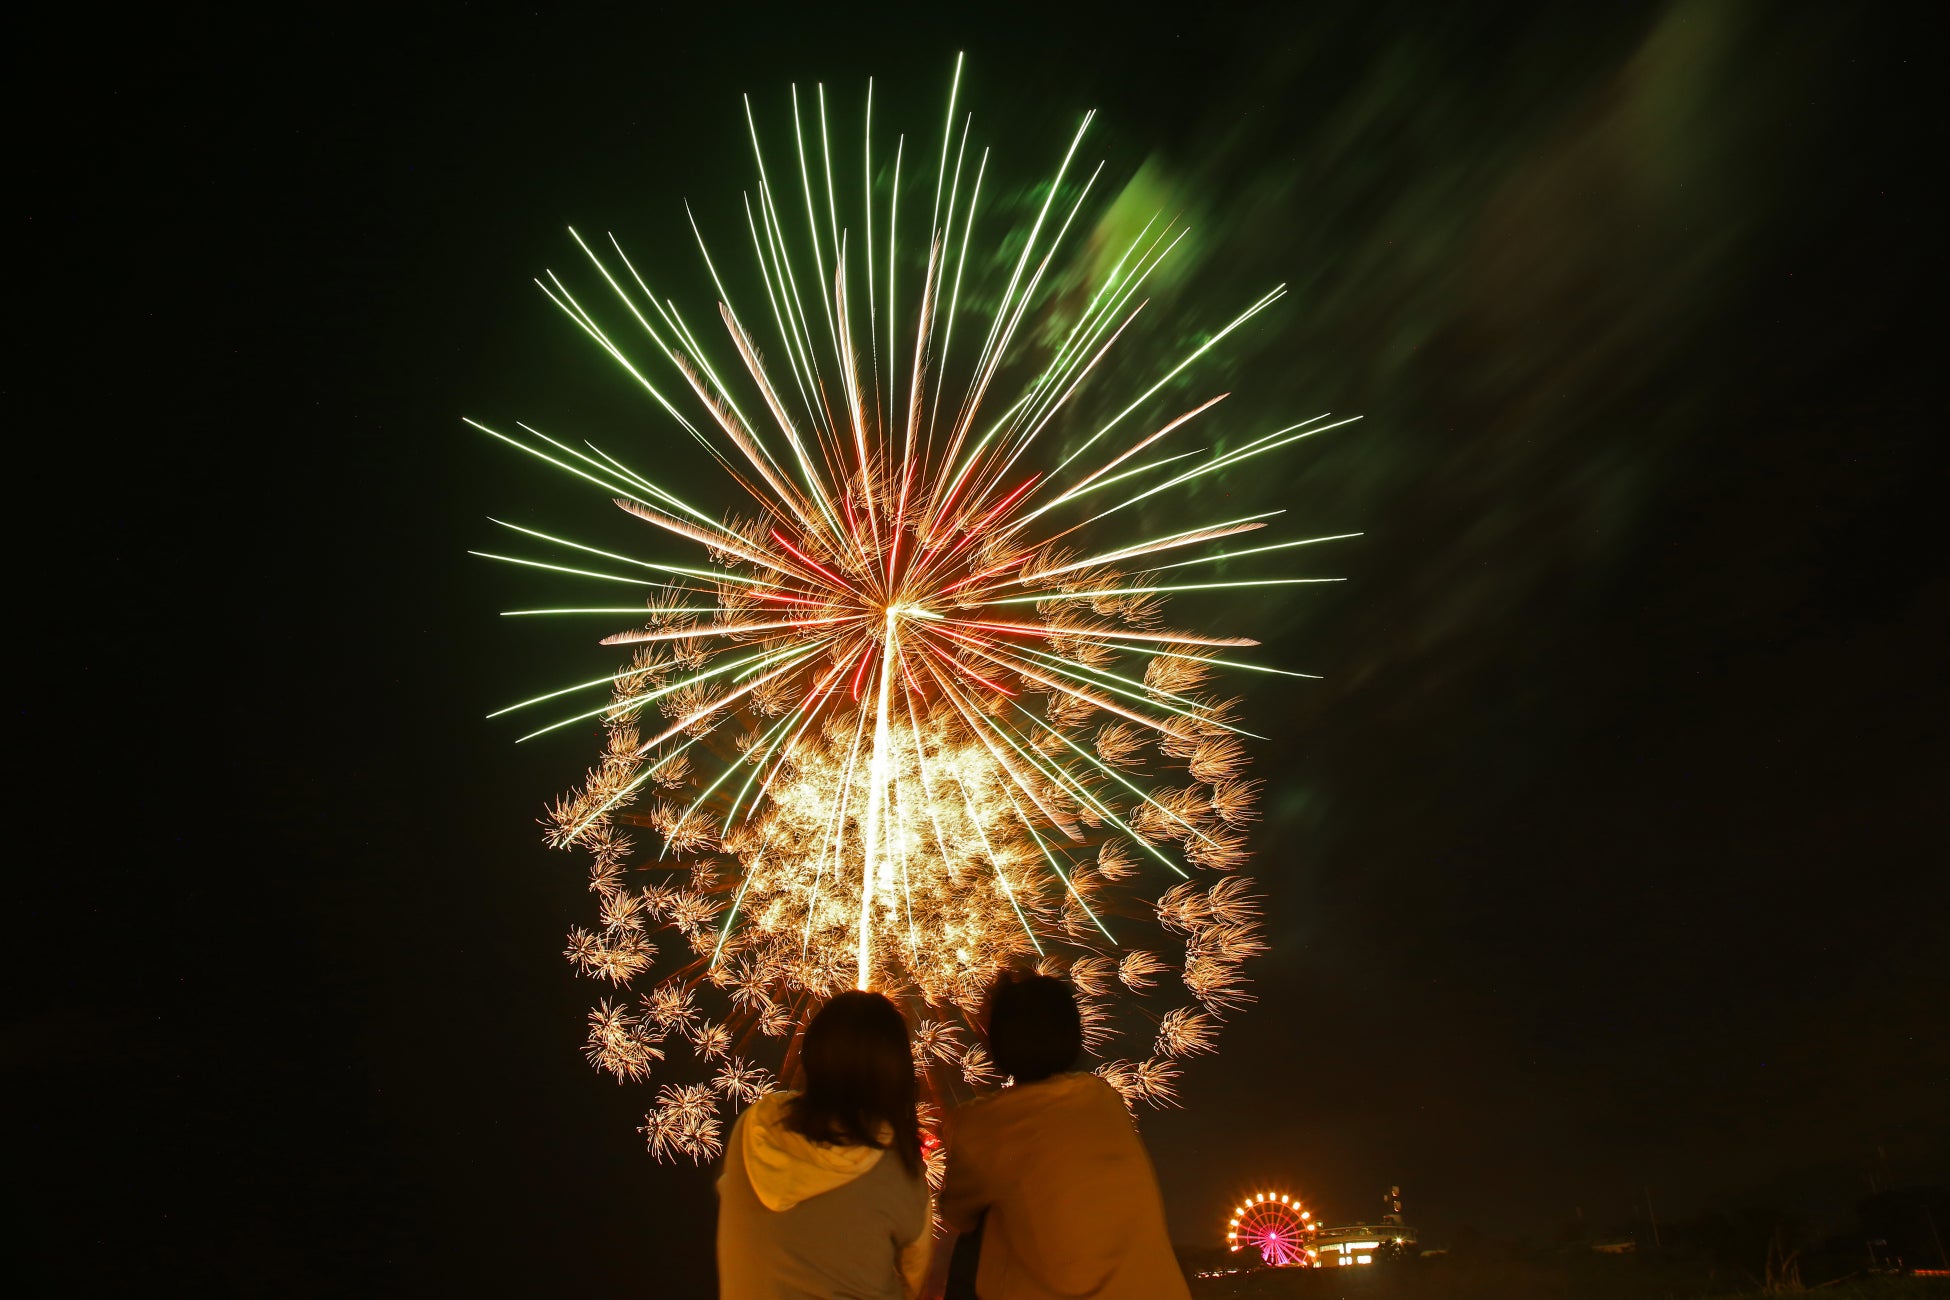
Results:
[1359, 1243]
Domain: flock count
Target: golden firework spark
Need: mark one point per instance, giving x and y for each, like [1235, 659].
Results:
[915, 714]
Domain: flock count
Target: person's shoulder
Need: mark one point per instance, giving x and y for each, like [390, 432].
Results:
[1087, 1094]
[1059, 1090]
[976, 1107]
[983, 1113]
[768, 1112]
[769, 1103]
[1082, 1083]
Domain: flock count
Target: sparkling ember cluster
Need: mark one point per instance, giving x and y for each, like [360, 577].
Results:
[913, 714]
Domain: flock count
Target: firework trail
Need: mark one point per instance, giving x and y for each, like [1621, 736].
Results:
[914, 714]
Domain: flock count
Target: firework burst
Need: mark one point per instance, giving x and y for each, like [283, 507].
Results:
[911, 713]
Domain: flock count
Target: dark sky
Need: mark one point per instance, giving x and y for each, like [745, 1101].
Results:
[1608, 854]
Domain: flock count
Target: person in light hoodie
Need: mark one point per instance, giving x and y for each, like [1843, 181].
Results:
[1071, 1201]
[822, 1192]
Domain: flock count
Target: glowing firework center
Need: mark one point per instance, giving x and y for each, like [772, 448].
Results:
[916, 713]
[952, 890]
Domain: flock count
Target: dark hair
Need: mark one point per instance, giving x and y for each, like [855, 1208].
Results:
[1034, 1028]
[859, 1075]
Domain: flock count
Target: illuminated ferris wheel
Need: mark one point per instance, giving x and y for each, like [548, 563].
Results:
[1274, 1224]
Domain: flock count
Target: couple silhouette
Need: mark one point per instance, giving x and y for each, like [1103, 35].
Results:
[824, 1195]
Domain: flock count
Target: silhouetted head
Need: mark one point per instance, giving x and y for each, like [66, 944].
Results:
[859, 1078]
[1034, 1029]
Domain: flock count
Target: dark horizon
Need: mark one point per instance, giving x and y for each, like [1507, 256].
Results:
[1606, 856]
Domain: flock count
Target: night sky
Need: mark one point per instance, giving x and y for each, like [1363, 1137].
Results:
[1608, 855]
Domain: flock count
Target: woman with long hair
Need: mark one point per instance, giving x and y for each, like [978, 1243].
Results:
[822, 1192]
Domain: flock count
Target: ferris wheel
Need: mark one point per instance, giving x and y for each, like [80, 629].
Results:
[1275, 1224]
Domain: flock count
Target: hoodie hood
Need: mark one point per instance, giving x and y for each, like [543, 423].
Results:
[785, 1167]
